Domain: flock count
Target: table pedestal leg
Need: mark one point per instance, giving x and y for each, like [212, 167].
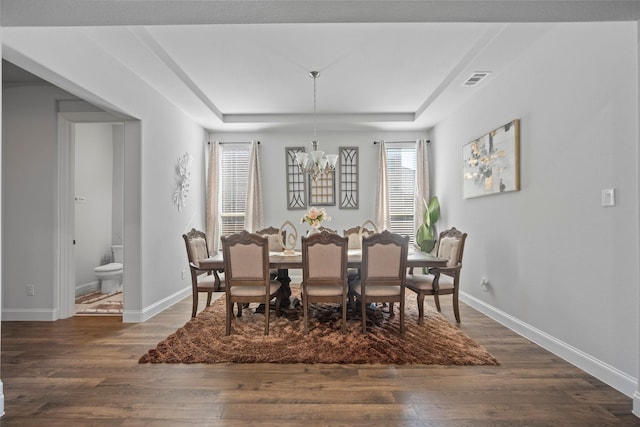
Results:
[285, 289]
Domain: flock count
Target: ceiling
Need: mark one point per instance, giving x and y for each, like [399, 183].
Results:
[255, 75]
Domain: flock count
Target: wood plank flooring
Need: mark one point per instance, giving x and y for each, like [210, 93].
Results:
[84, 371]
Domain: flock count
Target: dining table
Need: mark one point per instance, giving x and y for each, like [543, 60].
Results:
[283, 262]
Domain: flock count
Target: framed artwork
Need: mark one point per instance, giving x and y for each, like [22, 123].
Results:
[322, 191]
[296, 180]
[491, 163]
[348, 167]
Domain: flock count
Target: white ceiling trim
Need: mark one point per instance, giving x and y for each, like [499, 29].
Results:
[194, 12]
[164, 56]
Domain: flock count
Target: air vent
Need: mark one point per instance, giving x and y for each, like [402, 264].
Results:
[476, 78]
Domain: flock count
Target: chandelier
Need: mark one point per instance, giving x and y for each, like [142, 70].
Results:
[317, 162]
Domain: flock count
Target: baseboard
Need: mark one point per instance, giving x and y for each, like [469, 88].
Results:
[87, 287]
[137, 316]
[636, 404]
[606, 373]
[29, 314]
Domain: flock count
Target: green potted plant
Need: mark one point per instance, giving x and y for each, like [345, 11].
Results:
[426, 234]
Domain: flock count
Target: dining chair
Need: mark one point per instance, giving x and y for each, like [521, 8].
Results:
[202, 280]
[355, 235]
[275, 245]
[383, 273]
[246, 267]
[323, 228]
[441, 280]
[324, 272]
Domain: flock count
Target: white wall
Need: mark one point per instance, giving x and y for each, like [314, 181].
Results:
[274, 179]
[28, 188]
[562, 268]
[94, 198]
[164, 134]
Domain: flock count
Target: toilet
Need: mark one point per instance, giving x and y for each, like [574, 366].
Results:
[110, 275]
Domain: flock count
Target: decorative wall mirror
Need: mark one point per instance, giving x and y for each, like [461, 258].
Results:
[322, 191]
[296, 180]
[348, 158]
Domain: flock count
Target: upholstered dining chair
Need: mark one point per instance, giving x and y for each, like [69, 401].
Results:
[201, 280]
[383, 273]
[246, 267]
[273, 234]
[324, 272]
[441, 280]
[355, 235]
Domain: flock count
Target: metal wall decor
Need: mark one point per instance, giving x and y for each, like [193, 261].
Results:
[296, 180]
[348, 157]
[183, 181]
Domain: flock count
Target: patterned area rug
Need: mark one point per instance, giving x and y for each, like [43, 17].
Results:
[433, 342]
[91, 303]
[94, 296]
[108, 307]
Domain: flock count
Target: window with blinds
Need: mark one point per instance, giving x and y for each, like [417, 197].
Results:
[234, 180]
[401, 173]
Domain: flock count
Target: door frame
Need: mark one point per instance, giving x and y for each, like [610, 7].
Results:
[64, 263]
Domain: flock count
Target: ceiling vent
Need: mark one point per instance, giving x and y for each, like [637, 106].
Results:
[476, 78]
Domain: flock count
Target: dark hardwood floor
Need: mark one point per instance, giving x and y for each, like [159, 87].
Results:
[84, 371]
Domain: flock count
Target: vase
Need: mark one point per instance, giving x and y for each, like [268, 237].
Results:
[313, 230]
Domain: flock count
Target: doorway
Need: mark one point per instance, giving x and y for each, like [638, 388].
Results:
[97, 151]
[64, 277]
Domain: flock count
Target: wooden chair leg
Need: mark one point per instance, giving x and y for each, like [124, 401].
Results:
[209, 294]
[228, 314]
[391, 312]
[402, 317]
[344, 317]
[436, 298]
[305, 314]
[267, 312]
[420, 307]
[194, 309]
[456, 309]
[363, 309]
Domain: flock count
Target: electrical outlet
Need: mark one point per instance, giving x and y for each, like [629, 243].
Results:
[183, 274]
[484, 284]
[31, 290]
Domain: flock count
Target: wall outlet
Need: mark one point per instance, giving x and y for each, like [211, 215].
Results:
[31, 290]
[484, 284]
[183, 274]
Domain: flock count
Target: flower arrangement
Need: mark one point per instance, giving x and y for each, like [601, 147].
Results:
[315, 216]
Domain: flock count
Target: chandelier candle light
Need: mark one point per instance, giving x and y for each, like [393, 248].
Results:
[318, 162]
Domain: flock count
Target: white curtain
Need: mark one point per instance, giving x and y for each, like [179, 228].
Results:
[382, 195]
[422, 181]
[254, 215]
[213, 198]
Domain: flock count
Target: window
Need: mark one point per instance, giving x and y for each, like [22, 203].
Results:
[234, 179]
[401, 172]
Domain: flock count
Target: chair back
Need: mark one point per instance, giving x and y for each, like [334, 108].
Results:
[384, 259]
[451, 246]
[355, 235]
[324, 258]
[246, 259]
[273, 234]
[197, 248]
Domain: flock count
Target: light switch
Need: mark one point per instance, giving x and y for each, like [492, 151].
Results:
[608, 197]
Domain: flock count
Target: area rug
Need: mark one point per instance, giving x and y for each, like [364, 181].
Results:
[94, 296]
[435, 341]
[107, 307]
